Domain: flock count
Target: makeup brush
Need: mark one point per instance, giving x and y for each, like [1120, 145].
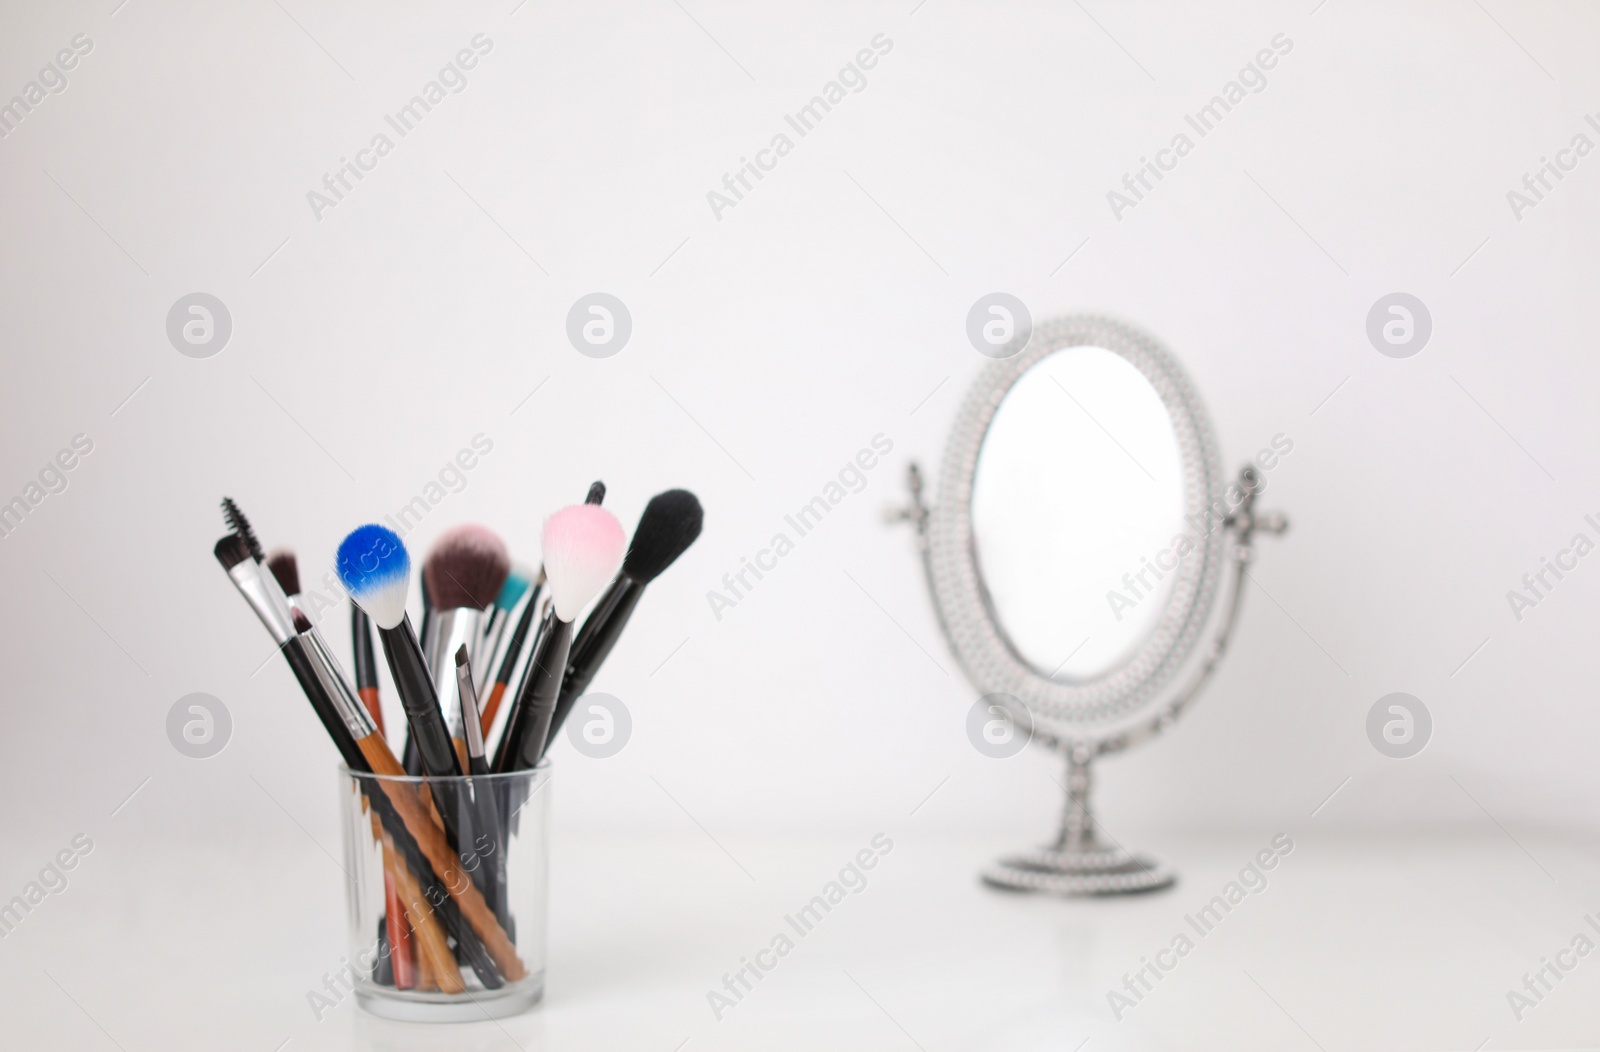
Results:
[241, 525]
[465, 571]
[494, 627]
[670, 524]
[375, 568]
[519, 637]
[286, 571]
[491, 862]
[508, 664]
[366, 663]
[233, 553]
[582, 548]
[425, 632]
[430, 840]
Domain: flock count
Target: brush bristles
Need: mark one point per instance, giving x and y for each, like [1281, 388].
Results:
[375, 567]
[670, 523]
[466, 568]
[231, 550]
[582, 549]
[516, 586]
[302, 623]
[286, 570]
[241, 525]
[597, 493]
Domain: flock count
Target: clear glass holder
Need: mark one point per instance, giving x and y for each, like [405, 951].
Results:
[448, 893]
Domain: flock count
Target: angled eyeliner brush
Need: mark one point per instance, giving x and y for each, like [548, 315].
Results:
[491, 868]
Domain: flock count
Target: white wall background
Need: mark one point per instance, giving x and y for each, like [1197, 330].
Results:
[768, 347]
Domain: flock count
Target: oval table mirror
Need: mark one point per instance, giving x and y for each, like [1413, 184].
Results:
[1085, 557]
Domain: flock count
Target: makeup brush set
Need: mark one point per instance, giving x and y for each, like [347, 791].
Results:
[443, 812]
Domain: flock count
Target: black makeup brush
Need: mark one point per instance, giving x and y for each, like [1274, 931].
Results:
[366, 663]
[490, 870]
[582, 547]
[597, 493]
[670, 524]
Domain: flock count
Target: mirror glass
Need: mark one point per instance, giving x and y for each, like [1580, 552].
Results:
[1076, 501]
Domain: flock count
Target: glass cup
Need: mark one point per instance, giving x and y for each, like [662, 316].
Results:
[448, 893]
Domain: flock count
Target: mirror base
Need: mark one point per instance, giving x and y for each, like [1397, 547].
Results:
[1083, 871]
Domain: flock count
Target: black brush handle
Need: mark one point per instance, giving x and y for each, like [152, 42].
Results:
[599, 634]
[366, 660]
[297, 652]
[469, 946]
[417, 696]
[529, 724]
[519, 636]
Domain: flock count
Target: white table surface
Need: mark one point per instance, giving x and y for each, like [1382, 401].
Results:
[1382, 942]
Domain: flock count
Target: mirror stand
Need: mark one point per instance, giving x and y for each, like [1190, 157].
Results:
[1080, 862]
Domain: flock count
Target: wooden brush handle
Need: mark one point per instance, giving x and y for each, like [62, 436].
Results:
[394, 922]
[431, 840]
[492, 706]
[369, 698]
[433, 953]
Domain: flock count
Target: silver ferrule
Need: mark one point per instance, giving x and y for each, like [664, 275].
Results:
[452, 630]
[355, 715]
[470, 718]
[258, 588]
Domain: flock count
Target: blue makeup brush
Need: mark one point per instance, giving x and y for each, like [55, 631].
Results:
[375, 567]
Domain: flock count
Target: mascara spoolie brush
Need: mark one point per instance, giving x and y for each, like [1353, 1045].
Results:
[582, 548]
[670, 524]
